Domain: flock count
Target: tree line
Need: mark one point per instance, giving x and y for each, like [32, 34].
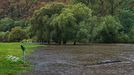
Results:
[80, 21]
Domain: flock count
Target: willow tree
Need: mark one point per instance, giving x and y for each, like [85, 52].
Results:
[58, 23]
[109, 30]
[68, 22]
[64, 27]
[81, 13]
[41, 21]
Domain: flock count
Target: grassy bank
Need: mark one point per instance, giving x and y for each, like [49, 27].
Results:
[7, 49]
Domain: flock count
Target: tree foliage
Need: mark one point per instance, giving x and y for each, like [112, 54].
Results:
[126, 18]
[42, 20]
[110, 30]
[75, 21]
[6, 24]
[17, 34]
[107, 7]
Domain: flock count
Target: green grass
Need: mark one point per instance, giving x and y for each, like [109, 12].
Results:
[14, 49]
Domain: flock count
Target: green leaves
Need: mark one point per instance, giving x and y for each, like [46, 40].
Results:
[126, 18]
[42, 21]
[60, 22]
[6, 24]
[110, 30]
[78, 23]
[34, 1]
[17, 34]
[106, 7]
[69, 19]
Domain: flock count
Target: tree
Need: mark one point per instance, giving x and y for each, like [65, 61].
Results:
[6, 24]
[2, 34]
[17, 9]
[41, 20]
[131, 35]
[126, 18]
[17, 34]
[88, 30]
[81, 13]
[78, 23]
[110, 30]
[106, 7]
[64, 27]
[21, 23]
[125, 38]
[67, 24]
[59, 23]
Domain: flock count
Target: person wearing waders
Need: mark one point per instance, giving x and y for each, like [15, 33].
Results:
[23, 49]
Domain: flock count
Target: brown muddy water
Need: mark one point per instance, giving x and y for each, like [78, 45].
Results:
[100, 59]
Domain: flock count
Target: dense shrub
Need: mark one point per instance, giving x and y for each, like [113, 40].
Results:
[17, 34]
[2, 34]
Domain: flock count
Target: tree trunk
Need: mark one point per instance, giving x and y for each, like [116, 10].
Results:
[48, 42]
[59, 42]
[64, 42]
[74, 42]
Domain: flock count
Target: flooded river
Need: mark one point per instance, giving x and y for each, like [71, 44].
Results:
[83, 60]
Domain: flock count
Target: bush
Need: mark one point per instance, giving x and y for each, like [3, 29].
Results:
[17, 34]
[123, 38]
[20, 23]
[2, 34]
